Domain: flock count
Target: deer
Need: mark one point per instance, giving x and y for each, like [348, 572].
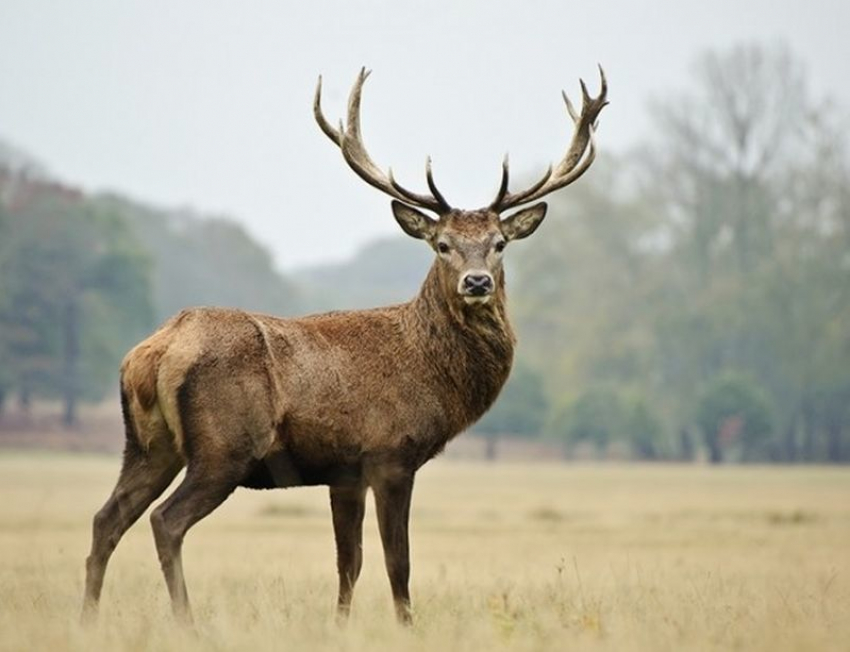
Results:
[353, 400]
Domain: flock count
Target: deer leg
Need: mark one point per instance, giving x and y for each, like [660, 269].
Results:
[203, 489]
[348, 505]
[392, 503]
[144, 476]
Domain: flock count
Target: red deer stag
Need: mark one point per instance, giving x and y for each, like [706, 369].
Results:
[351, 400]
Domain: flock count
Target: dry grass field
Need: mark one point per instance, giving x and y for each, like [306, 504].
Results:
[505, 557]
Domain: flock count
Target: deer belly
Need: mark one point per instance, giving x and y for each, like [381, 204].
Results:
[282, 469]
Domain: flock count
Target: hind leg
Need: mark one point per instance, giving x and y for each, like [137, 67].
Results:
[204, 488]
[144, 476]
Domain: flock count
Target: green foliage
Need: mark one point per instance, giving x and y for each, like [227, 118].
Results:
[603, 416]
[205, 262]
[733, 412]
[521, 408]
[386, 271]
[6, 375]
[596, 416]
[722, 246]
[74, 295]
[83, 279]
[645, 430]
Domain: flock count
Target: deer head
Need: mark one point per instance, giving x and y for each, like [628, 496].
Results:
[469, 243]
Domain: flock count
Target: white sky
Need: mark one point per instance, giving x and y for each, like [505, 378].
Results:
[207, 103]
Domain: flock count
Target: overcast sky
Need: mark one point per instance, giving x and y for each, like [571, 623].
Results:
[206, 103]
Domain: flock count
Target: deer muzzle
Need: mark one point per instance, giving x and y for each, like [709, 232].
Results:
[476, 286]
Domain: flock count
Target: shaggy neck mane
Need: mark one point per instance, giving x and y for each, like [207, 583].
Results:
[470, 347]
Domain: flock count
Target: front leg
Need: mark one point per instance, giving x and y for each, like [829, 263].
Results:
[348, 505]
[392, 503]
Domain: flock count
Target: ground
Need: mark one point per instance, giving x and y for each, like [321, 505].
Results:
[505, 557]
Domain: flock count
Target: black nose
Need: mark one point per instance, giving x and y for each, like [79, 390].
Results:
[478, 285]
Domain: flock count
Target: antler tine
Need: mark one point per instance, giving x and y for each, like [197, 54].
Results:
[351, 144]
[503, 186]
[414, 198]
[349, 140]
[585, 95]
[505, 200]
[429, 177]
[578, 157]
[574, 173]
[408, 195]
[570, 108]
[603, 90]
[324, 125]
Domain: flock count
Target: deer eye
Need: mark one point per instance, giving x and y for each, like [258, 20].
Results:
[500, 246]
[442, 247]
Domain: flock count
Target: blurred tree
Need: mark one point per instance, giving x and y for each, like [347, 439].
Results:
[835, 410]
[644, 430]
[721, 248]
[386, 271]
[584, 297]
[75, 294]
[734, 412]
[5, 362]
[76, 277]
[719, 147]
[579, 290]
[204, 261]
[596, 417]
[739, 170]
[521, 409]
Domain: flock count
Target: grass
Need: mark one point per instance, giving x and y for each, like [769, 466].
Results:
[505, 557]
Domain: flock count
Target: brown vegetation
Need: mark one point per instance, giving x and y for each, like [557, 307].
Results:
[507, 557]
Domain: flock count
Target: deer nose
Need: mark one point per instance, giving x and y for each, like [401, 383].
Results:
[477, 285]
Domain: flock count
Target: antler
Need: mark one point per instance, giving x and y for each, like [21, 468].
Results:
[350, 141]
[576, 161]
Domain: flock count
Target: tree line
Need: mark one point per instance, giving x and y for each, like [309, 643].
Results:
[691, 297]
[694, 295]
[83, 278]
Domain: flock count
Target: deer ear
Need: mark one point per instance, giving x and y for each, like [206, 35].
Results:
[522, 224]
[414, 223]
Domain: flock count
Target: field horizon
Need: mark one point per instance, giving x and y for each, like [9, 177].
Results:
[505, 556]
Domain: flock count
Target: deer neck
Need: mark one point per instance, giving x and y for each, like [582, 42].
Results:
[470, 347]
